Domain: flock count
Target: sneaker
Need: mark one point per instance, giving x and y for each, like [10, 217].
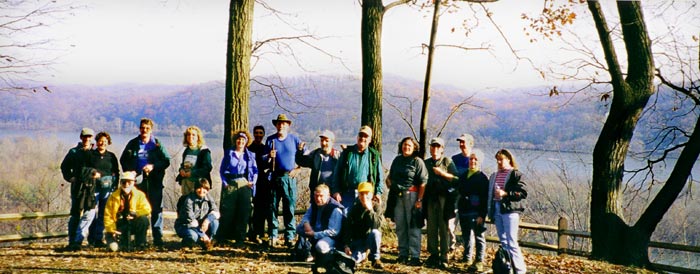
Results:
[310, 258]
[113, 246]
[377, 264]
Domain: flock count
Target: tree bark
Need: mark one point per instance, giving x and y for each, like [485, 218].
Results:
[612, 239]
[426, 85]
[371, 36]
[238, 53]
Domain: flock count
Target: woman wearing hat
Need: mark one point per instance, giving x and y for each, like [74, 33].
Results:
[239, 172]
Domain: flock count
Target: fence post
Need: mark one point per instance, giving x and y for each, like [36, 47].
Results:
[562, 239]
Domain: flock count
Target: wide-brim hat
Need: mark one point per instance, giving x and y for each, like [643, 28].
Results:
[281, 118]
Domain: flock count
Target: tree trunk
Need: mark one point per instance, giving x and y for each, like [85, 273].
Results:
[612, 239]
[238, 52]
[371, 36]
[426, 85]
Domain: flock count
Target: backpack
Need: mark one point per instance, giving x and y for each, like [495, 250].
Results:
[340, 264]
[302, 249]
[502, 262]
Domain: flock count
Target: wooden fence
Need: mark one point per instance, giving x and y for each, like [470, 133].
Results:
[561, 229]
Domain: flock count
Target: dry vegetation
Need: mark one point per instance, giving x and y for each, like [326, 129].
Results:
[47, 258]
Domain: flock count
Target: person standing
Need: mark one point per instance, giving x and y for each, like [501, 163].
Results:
[358, 163]
[461, 161]
[506, 195]
[361, 227]
[126, 214]
[281, 149]
[322, 161]
[440, 207]
[407, 179]
[107, 164]
[82, 190]
[197, 217]
[239, 173]
[196, 160]
[261, 191]
[473, 188]
[147, 156]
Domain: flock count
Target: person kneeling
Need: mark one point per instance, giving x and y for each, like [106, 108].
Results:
[197, 217]
[321, 225]
[364, 219]
[126, 214]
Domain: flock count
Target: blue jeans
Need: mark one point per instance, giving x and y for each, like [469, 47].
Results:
[507, 229]
[284, 188]
[195, 233]
[79, 224]
[98, 226]
[468, 225]
[372, 242]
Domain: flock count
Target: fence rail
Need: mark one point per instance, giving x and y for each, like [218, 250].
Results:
[562, 230]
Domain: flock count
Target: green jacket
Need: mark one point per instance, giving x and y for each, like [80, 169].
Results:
[343, 181]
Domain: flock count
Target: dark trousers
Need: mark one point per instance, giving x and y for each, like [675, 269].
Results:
[136, 227]
[154, 195]
[235, 212]
[261, 207]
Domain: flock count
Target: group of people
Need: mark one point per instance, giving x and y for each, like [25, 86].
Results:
[346, 188]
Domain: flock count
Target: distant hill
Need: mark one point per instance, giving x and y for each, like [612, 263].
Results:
[508, 118]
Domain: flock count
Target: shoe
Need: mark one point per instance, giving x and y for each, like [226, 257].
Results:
[73, 247]
[377, 264]
[158, 242]
[415, 261]
[288, 243]
[443, 264]
[310, 258]
[113, 246]
[99, 244]
[432, 261]
[478, 267]
[207, 245]
[402, 260]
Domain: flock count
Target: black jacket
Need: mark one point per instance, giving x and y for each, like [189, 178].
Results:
[515, 187]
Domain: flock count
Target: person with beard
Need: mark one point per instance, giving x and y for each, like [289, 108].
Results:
[322, 161]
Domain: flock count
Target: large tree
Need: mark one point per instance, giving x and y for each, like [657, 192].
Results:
[371, 36]
[612, 238]
[238, 52]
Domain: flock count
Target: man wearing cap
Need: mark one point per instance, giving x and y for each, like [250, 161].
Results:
[321, 224]
[461, 161]
[197, 216]
[358, 163]
[147, 156]
[439, 207]
[280, 152]
[361, 227]
[321, 161]
[126, 213]
[82, 189]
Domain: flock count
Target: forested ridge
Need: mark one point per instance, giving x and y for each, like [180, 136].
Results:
[520, 118]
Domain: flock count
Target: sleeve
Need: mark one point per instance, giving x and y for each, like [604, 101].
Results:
[304, 158]
[334, 225]
[143, 208]
[338, 172]
[126, 159]
[110, 215]
[67, 165]
[421, 172]
[252, 167]
[516, 190]
[305, 219]
[163, 160]
[203, 167]
[483, 190]
[186, 213]
[212, 205]
[379, 186]
[115, 171]
[223, 169]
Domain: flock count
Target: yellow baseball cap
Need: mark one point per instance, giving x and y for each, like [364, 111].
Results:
[365, 187]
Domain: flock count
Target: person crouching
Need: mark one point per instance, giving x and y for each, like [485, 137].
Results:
[321, 224]
[197, 217]
[126, 213]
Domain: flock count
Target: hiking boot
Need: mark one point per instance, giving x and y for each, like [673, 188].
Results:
[73, 247]
[99, 244]
[402, 260]
[377, 264]
[415, 261]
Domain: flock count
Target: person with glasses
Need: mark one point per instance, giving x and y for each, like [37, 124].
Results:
[126, 214]
[196, 160]
[147, 156]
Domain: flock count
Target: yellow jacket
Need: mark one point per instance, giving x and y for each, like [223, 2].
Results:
[138, 203]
